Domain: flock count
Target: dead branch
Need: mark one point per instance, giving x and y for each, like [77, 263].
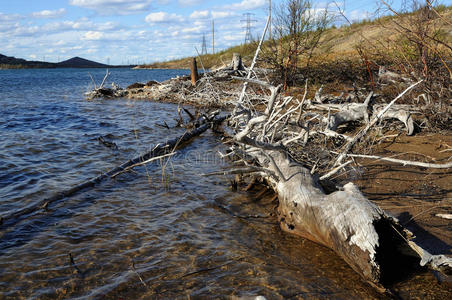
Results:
[335, 170]
[404, 162]
[248, 76]
[363, 132]
[158, 150]
[143, 163]
[444, 216]
[105, 78]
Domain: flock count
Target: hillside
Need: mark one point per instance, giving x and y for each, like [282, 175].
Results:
[10, 62]
[337, 43]
[78, 62]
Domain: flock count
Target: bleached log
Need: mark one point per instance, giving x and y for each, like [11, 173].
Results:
[397, 113]
[346, 221]
[372, 242]
[350, 112]
[374, 120]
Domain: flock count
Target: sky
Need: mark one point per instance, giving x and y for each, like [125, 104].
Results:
[135, 31]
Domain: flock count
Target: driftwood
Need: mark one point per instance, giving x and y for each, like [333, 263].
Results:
[372, 242]
[101, 92]
[405, 162]
[158, 151]
[368, 239]
[374, 120]
[343, 113]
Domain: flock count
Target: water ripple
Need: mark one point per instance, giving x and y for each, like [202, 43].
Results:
[183, 234]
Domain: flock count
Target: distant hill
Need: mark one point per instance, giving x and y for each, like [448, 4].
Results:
[78, 62]
[10, 62]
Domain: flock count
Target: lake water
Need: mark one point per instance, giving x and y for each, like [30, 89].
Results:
[161, 231]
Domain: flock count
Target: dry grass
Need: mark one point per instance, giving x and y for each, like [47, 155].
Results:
[337, 43]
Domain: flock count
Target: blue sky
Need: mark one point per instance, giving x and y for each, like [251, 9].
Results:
[133, 31]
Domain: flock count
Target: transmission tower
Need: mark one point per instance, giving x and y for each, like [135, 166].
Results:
[204, 45]
[248, 26]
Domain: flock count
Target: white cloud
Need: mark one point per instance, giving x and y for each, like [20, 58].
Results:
[229, 37]
[222, 14]
[247, 4]
[114, 7]
[9, 18]
[93, 35]
[22, 35]
[203, 14]
[197, 29]
[26, 31]
[163, 17]
[48, 14]
[358, 15]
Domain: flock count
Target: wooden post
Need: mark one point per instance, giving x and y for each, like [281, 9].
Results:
[194, 72]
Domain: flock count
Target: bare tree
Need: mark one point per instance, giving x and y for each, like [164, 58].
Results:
[422, 41]
[297, 32]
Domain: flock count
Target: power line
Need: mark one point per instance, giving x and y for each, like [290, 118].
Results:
[248, 26]
[270, 16]
[213, 37]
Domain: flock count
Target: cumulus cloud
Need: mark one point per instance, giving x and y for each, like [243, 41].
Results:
[114, 7]
[163, 17]
[49, 14]
[247, 4]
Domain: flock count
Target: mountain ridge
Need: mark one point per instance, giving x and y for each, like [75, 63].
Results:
[11, 62]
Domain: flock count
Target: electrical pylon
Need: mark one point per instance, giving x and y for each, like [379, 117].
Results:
[204, 45]
[248, 26]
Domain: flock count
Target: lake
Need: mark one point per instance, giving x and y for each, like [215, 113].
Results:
[162, 231]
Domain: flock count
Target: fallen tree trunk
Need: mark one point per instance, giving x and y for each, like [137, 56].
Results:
[158, 150]
[371, 241]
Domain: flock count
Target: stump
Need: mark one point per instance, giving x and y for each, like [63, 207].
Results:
[194, 72]
[237, 62]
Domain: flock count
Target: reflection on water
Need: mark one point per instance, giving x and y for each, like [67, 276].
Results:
[162, 231]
